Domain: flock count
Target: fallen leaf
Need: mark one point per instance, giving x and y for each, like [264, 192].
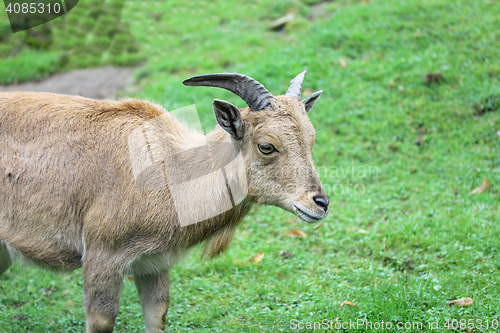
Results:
[131, 278]
[346, 303]
[484, 186]
[433, 78]
[296, 233]
[318, 225]
[466, 301]
[362, 231]
[67, 291]
[20, 317]
[498, 133]
[70, 303]
[258, 257]
[347, 285]
[343, 63]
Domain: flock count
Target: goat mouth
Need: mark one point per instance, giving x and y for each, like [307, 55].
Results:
[306, 215]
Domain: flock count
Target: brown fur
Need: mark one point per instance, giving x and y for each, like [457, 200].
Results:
[68, 197]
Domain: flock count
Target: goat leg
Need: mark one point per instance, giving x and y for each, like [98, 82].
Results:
[102, 284]
[5, 258]
[154, 294]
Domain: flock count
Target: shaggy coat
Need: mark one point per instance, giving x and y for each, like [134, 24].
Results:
[69, 198]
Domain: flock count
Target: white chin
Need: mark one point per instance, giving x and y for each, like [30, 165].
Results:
[307, 216]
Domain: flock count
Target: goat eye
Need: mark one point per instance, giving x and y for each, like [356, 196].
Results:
[266, 148]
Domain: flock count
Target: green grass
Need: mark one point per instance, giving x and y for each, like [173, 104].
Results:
[411, 239]
[92, 34]
[29, 65]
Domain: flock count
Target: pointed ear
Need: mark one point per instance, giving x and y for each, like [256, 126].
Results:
[311, 100]
[229, 118]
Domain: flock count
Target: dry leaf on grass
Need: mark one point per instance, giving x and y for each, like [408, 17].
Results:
[296, 233]
[433, 78]
[258, 257]
[281, 275]
[318, 225]
[343, 63]
[466, 301]
[498, 133]
[362, 231]
[347, 285]
[70, 303]
[346, 303]
[484, 186]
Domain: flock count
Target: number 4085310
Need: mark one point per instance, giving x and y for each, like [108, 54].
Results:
[470, 324]
[32, 8]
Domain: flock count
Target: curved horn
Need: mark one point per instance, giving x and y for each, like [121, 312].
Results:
[252, 92]
[295, 89]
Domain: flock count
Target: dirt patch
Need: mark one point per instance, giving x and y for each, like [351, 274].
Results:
[321, 10]
[97, 83]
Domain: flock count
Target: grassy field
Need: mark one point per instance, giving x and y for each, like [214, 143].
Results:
[93, 34]
[406, 130]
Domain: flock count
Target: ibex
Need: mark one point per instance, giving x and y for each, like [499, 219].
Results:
[71, 194]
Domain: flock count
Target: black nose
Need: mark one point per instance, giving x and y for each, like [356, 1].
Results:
[322, 201]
